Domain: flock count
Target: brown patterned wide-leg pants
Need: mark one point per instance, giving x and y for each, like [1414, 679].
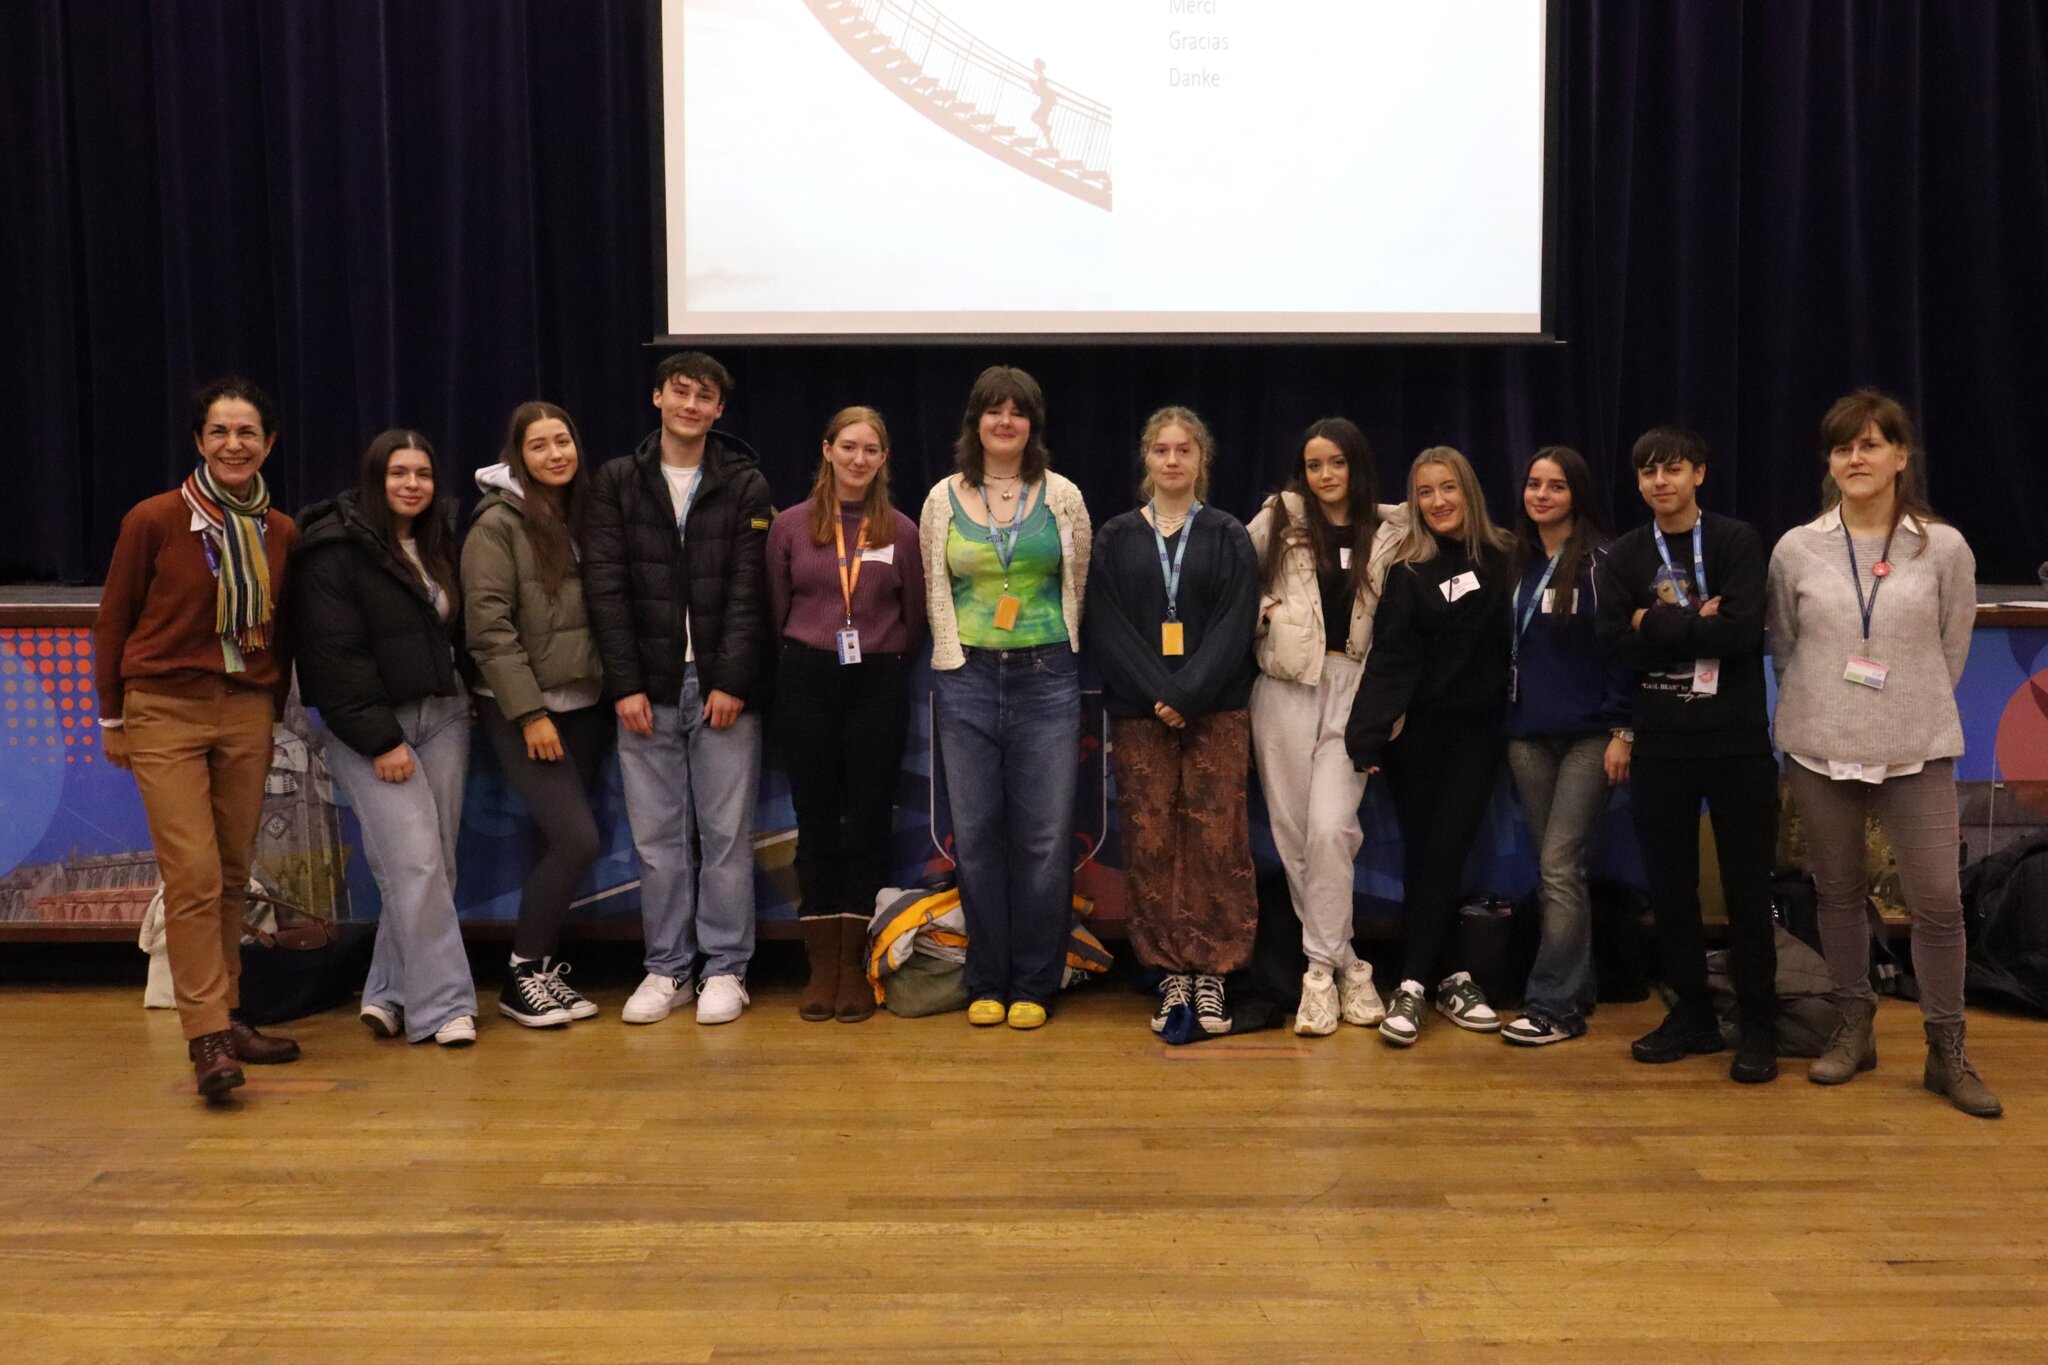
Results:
[1180, 798]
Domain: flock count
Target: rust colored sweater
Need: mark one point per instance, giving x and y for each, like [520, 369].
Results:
[155, 630]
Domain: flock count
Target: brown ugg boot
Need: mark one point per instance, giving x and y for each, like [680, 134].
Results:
[1949, 1073]
[821, 946]
[1853, 1048]
[856, 997]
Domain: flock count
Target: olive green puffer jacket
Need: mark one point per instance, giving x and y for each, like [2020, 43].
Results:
[525, 641]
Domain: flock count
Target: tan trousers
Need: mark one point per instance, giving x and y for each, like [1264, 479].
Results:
[200, 762]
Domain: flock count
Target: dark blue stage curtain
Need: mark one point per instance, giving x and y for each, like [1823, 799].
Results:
[423, 211]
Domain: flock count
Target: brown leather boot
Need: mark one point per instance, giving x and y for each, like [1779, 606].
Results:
[213, 1063]
[254, 1048]
[1853, 1048]
[1949, 1073]
[856, 996]
[821, 946]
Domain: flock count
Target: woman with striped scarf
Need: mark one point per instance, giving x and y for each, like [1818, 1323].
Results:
[191, 672]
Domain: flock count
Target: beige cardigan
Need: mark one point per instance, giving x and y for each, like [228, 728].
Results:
[1291, 637]
[1069, 514]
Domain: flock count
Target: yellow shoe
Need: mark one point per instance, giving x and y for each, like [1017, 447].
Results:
[1024, 1014]
[986, 1013]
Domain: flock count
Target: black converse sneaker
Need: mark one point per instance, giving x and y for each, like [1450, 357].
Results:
[1175, 991]
[527, 999]
[565, 995]
[1209, 1011]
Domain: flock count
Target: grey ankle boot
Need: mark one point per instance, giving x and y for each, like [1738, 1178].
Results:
[1949, 1073]
[1852, 1049]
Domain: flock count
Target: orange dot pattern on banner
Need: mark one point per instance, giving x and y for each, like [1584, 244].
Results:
[46, 693]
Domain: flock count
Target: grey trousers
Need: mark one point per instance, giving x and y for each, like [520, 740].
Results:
[1919, 817]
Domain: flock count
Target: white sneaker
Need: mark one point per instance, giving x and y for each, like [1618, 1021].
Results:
[655, 997]
[1317, 1015]
[382, 1021]
[721, 1000]
[457, 1032]
[1361, 999]
[1459, 1000]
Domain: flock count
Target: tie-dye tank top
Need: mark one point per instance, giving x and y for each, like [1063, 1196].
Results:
[977, 576]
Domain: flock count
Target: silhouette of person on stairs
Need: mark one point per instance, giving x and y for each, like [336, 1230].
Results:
[1041, 117]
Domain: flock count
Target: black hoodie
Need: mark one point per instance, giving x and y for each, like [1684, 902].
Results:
[367, 633]
[649, 591]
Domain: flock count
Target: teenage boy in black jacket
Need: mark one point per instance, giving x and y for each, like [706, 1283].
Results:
[675, 577]
[1682, 608]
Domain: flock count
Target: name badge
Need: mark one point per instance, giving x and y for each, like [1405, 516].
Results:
[1455, 588]
[1549, 601]
[849, 646]
[1706, 677]
[1172, 640]
[885, 555]
[1343, 556]
[1007, 608]
[1865, 673]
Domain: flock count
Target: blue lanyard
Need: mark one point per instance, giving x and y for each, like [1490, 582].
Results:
[1172, 575]
[683, 517]
[1878, 573]
[1004, 537]
[1699, 560]
[1528, 613]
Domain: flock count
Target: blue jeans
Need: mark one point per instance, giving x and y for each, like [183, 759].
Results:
[690, 790]
[409, 831]
[1009, 723]
[1563, 782]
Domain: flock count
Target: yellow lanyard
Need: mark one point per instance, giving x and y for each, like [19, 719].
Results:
[849, 578]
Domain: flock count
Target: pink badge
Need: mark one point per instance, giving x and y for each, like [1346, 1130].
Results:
[1881, 569]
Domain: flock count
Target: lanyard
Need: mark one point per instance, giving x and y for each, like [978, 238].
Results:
[689, 496]
[849, 580]
[1699, 561]
[1172, 574]
[1528, 613]
[1004, 537]
[1878, 573]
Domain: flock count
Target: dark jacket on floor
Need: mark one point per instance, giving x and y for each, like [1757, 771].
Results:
[648, 591]
[368, 636]
[1431, 654]
[1672, 720]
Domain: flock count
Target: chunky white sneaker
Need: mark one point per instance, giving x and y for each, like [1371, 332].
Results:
[721, 1000]
[382, 1020]
[1359, 999]
[655, 997]
[457, 1032]
[1316, 1017]
[1459, 1000]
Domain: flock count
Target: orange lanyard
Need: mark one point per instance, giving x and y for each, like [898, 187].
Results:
[849, 578]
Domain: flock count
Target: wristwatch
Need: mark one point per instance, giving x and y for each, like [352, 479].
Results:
[1624, 734]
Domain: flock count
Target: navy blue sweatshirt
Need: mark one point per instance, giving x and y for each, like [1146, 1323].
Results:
[1218, 610]
[1565, 683]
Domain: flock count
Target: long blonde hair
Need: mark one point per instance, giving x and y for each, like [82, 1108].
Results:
[875, 505]
[1418, 543]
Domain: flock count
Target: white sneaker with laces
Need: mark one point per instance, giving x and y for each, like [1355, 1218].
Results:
[1316, 1017]
[457, 1032]
[1459, 999]
[656, 997]
[1361, 1003]
[382, 1020]
[721, 1000]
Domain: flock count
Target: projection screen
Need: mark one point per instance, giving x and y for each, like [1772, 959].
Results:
[1102, 168]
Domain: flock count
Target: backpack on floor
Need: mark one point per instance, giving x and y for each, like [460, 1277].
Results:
[2005, 913]
[1806, 1011]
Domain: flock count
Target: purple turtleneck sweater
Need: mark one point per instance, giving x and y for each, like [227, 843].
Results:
[803, 584]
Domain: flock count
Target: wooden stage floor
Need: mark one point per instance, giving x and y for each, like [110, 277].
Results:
[916, 1191]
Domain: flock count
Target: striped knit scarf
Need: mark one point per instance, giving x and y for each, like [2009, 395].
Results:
[242, 607]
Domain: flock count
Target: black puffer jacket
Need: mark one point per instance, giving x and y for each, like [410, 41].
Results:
[367, 634]
[639, 581]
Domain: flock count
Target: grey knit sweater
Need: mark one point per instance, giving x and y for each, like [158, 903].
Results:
[1920, 629]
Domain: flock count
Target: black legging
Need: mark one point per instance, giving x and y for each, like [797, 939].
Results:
[557, 796]
[841, 730]
[1442, 771]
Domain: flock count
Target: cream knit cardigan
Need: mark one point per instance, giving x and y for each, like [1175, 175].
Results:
[1069, 514]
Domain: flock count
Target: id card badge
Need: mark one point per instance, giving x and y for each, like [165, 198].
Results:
[1172, 640]
[1706, 677]
[1514, 682]
[1007, 608]
[1343, 556]
[849, 646]
[1866, 673]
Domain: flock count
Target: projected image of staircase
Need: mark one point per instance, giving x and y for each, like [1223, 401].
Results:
[991, 101]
